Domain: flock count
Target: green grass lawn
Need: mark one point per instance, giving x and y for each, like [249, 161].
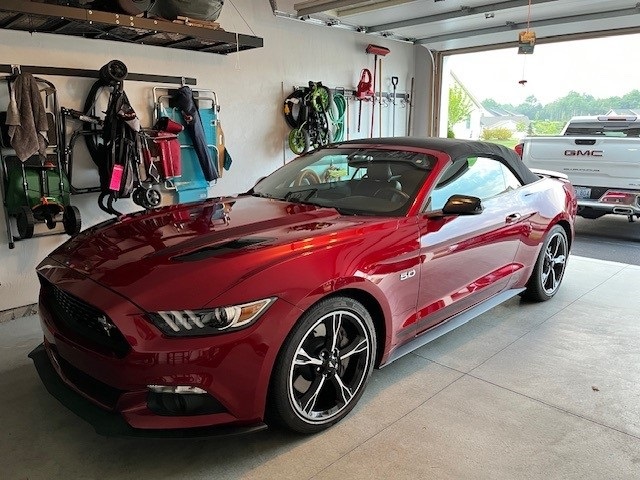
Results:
[512, 142]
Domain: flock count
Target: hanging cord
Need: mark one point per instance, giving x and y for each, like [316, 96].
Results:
[337, 118]
[243, 19]
[238, 36]
[529, 16]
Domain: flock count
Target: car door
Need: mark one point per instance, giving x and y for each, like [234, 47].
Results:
[466, 259]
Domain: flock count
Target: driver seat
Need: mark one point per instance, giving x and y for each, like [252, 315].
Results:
[378, 176]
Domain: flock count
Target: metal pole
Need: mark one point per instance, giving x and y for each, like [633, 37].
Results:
[394, 82]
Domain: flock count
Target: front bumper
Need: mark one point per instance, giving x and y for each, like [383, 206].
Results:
[114, 368]
[110, 423]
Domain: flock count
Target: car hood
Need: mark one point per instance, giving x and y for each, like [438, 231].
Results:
[152, 256]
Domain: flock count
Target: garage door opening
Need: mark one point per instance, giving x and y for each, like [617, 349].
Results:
[502, 96]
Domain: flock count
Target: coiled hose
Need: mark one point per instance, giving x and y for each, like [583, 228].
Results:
[337, 118]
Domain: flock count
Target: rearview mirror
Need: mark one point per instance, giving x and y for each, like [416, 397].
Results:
[462, 205]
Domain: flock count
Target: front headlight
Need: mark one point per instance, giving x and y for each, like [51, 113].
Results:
[211, 321]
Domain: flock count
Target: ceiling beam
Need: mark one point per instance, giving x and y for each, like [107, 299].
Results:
[316, 6]
[463, 12]
[345, 12]
[538, 23]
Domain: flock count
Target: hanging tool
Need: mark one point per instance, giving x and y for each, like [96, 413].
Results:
[364, 91]
[375, 50]
[380, 97]
[410, 101]
[394, 83]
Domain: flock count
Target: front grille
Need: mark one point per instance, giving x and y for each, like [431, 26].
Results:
[77, 318]
[101, 392]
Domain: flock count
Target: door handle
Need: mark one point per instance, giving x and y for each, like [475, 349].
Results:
[513, 218]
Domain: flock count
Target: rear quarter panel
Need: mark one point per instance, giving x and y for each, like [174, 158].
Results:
[546, 202]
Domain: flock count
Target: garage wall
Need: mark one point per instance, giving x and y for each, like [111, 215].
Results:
[250, 87]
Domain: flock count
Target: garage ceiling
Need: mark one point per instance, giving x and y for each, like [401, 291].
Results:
[444, 25]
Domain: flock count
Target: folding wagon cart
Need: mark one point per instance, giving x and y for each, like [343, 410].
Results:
[36, 190]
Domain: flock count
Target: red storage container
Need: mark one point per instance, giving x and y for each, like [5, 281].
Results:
[166, 150]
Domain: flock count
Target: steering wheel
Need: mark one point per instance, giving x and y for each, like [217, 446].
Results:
[389, 193]
[307, 177]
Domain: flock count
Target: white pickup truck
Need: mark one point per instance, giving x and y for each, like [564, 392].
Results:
[601, 157]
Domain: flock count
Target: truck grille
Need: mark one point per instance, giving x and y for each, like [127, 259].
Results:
[81, 321]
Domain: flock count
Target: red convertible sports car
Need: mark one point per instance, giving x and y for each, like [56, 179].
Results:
[275, 305]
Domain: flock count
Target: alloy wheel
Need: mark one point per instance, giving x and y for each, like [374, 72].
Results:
[330, 366]
[555, 260]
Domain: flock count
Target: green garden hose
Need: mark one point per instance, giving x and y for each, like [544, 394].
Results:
[336, 115]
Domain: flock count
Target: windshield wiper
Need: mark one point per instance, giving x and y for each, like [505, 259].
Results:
[262, 195]
[300, 196]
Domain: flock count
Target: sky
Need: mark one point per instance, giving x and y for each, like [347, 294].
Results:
[603, 67]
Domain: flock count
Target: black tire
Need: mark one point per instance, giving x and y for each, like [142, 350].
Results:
[294, 109]
[299, 141]
[323, 367]
[25, 222]
[113, 72]
[138, 196]
[71, 220]
[550, 266]
[152, 198]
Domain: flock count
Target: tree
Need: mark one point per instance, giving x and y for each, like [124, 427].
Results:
[460, 106]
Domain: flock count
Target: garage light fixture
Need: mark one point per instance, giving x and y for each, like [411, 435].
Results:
[527, 38]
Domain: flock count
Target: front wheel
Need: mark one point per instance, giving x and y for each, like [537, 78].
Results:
[26, 222]
[550, 266]
[324, 366]
[72, 220]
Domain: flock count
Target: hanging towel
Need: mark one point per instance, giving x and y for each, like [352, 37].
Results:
[26, 117]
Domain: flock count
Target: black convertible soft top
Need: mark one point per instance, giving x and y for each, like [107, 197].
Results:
[456, 148]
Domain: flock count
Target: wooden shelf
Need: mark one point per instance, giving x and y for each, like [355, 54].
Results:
[32, 17]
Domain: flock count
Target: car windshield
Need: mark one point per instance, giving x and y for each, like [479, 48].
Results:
[353, 181]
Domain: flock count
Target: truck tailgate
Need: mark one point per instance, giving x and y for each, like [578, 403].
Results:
[588, 161]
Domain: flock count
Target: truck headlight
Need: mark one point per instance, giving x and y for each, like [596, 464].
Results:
[210, 321]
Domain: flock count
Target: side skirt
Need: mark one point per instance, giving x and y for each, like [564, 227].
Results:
[451, 324]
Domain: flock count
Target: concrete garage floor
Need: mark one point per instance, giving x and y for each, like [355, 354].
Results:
[539, 391]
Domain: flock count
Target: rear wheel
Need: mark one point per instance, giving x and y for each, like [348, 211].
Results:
[324, 366]
[550, 267]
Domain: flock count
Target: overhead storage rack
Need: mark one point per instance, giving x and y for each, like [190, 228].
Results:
[32, 17]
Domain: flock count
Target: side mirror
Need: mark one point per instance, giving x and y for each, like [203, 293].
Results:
[462, 205]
